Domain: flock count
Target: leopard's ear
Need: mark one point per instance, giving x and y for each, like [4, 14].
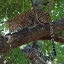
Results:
[8, 22]
[10, 25]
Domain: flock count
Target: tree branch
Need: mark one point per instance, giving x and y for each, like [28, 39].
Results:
[2, 58]
[24, 36]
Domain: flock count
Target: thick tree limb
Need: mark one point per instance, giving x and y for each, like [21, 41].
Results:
[26, 35]
[58, 38]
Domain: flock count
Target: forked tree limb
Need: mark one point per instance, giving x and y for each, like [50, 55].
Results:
[27, 35]
[34, 55]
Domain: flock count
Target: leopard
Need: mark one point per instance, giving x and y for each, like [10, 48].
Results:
[28, 19]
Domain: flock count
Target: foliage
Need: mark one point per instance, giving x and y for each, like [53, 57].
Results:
[9, 9]
[15, 56]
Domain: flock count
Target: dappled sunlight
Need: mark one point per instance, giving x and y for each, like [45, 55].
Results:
[10, 9]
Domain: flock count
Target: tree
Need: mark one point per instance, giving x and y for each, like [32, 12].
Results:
[11, 9]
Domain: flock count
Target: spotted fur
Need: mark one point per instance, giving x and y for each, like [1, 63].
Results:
[28, 19]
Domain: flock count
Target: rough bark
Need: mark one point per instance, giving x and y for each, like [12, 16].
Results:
[24, 36]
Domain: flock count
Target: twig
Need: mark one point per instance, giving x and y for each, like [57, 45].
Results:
[50, 6]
